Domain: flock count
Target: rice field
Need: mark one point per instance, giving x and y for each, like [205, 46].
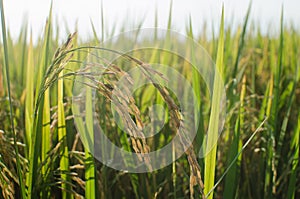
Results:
[42, 149]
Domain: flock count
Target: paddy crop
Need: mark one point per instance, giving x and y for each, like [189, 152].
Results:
[42, 154]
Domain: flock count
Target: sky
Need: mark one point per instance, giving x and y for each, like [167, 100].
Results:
[130, 13]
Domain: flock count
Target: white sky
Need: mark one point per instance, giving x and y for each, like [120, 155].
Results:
[130, 12]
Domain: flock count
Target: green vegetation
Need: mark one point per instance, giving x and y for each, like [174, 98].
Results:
[257, 154]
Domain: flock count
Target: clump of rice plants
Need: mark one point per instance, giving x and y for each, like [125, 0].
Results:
[42, 154]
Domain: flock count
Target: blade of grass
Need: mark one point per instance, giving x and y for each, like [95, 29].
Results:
[241, 42]
[275, 134]
[197, 89]
[210, 159]
[46, 137]
[294, 148]
[2, 90]
[6, 64]
[46, 51]
[24, 48]
[277, 78]
[102, 22]
[29, 101]
[238, 154]
[36, 140]
[170, 15]
[94, 32]
[294, 144]
[89, 160]
[231, 180]
[62, 136]
[270, 141]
